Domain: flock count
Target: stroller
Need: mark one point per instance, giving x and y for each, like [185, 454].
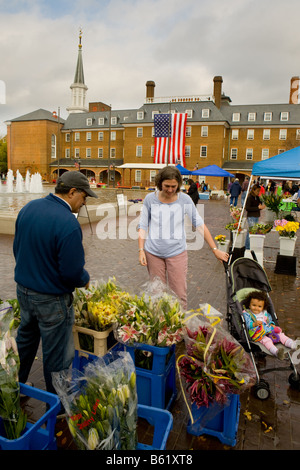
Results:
[243, 276]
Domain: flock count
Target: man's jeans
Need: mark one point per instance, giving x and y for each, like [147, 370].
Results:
[251, 221]
[49, 317]
[234, 200]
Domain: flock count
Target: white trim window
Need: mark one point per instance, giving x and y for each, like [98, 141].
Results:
[77, 136]
[249, 154]
[267, 134]
[140, 115]
[233, 153]
[113, 120]
[152, 176]
[89, 121]
[139, 150]
[265, 154]
[113, 153]
[252, 117]
[67, 153]
[284, 116]
[100, 152]
[205, 113]
[100, 136]
[152, 150]
[187, 151]
[138, 176]
[88, 152]
[234, 134]
[139, 132]
[204, 131]
[189, 113]
[297, 134]
[250, 134]
[113, 135]
[101, 121]
[203, 151]
[188, 131]
[67, 137]
[53, 146]
[282, 134]
[236, 117]
[268, 116]
[77, 153]
[88, 136]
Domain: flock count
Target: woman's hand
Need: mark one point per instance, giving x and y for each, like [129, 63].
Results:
[221, 255]
[142, 258]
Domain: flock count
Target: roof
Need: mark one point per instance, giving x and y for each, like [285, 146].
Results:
[259, 110]
[38, 115]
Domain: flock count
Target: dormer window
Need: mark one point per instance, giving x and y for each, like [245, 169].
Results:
[268, 116]
[251, 117]
[113, 120]
[205, 113]
[189, 113]
[101, 121]
[89, 121]
[140, 115]
[284, 116]
[236, 117]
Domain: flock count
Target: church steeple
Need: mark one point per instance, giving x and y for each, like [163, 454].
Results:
[78, 87]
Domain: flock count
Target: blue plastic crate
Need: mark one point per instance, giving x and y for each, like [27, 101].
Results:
[203, 195]
[162, 420]
[161, 357]
[34, 436]
[224, 424]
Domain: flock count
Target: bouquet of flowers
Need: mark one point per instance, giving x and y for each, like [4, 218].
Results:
[96, 307]
[260, 229]
[215, 364]
[235, 213]
[233, 226]
[101, 403]
[273, 202]
[286, 228]
[14, 419]
[221, 239]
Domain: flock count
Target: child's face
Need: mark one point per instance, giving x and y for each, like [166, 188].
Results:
[256, 306]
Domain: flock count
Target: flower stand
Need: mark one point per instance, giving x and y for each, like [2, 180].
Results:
[286, 265]
[93, 342]
[223, 424]
[257, 245]
[36, 436]
[240, 239]
[287, 246]
[223, 246]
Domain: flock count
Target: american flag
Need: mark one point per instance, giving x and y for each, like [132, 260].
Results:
[170, 127]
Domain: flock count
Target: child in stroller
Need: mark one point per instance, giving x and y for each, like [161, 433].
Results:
[261, 326]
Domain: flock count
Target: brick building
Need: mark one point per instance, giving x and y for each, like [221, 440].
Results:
[117, 146]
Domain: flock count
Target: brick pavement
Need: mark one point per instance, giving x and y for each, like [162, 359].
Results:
[273, 424]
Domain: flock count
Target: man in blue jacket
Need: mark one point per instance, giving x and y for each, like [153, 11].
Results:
[49, 265]
[235, 191]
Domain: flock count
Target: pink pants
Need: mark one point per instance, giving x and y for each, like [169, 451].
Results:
[268, 343]
[172, 271]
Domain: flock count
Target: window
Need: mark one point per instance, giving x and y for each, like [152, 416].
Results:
[113, 120]
[267, 134]
[205, 113]
[264, 154]
[235, 134]
[140, 115]
[152, 176]
[100, 136]
[101, 121]
[77, 153]
[236, 117]
[113, 153]
[153, 114]
[189, 113]
[139, 150]
[88, 136]
[187, 151]
[67, 137]
[88, 153]
[249, 154]
[100, 152]
[188, 131]
[53, 146]
[204, 131]
[67, 153]
[113, 135]
[284, 116]
[89, 121]
[251, 117]
[77, 136]
[152, 150]
[139, 132]
[282, 134]
[203, 151]
[297, 134]
[250, 134]
[233, 154]
[268, 116]
[138, 176]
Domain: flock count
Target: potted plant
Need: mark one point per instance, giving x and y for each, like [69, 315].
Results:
[257, 235]
[287, 236]
[238, 234]
[272, 203]
[222, 243]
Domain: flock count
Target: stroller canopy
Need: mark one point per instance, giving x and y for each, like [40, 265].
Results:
[246, 272]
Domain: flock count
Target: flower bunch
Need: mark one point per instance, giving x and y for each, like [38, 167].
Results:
[14, 418]
[273, 202]
[97, 306]
[215, 365]
[260, 229]
[233, 226]
[286, 228]
[101, 403]
[235, 213]
[221, 239]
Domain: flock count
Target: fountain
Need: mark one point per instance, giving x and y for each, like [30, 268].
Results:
[36, 185]
[9, 181]
[33, 184]
[27, 181]
[19, 183]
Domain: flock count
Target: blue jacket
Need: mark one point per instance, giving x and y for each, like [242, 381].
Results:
[235, 189]
[48, 247]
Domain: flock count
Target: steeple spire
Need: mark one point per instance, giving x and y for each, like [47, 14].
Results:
[78, 87]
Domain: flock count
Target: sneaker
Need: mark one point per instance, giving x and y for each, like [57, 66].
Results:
[282, 354]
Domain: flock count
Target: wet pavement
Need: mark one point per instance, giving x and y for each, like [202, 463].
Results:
[272, 424]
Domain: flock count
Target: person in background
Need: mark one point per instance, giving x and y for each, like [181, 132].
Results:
[49, 265]
[253, 207]
[235, 191]
[244, 189]
[162, 238]
[193, 191]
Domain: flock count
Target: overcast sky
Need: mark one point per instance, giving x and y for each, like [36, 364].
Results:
[181, 45]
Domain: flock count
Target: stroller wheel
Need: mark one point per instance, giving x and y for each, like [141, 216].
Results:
[261, 390]
[294, 381]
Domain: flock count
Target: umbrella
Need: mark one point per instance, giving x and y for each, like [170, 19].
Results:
[183, 170]
[212, 170]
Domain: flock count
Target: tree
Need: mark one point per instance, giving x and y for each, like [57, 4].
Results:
[3, 155]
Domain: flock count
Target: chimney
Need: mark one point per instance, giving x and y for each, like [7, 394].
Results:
[150, 85]
[218, 90]
[294, 90]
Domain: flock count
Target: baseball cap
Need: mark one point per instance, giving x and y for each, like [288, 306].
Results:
[75, 179]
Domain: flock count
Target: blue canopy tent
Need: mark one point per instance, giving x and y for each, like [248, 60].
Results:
[183, 170]
[284, 165]
[212, 170]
